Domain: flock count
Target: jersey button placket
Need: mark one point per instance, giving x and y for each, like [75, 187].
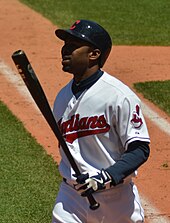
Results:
[72, 103]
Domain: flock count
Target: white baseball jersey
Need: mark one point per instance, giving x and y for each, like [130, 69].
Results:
[99, 125]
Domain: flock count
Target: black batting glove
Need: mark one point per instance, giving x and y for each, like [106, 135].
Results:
[87, 185]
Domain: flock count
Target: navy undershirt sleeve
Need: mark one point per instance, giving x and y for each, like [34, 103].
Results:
[136, 154]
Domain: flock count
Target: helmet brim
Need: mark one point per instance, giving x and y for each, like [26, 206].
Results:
[64, 34]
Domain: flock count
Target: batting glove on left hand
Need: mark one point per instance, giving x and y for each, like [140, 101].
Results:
[87, 185]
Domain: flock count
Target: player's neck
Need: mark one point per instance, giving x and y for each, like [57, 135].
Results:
[80, 77]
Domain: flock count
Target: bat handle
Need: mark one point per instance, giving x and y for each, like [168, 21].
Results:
[81, 178]
[93, 203]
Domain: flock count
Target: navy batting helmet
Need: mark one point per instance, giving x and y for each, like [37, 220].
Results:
[91, 32]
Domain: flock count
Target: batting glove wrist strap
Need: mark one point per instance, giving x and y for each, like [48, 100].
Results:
[87, 185]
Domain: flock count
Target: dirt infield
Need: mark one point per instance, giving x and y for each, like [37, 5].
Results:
[22, 28]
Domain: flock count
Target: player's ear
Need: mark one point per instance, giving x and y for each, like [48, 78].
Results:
[94, 54]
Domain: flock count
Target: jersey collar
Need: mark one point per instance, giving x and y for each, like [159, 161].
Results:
[83, 85]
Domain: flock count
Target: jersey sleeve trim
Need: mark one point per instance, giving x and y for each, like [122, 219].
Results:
[143, 139]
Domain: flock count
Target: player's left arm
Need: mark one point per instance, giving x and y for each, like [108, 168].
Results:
[134, 137]
[136, 154]
[136, 151]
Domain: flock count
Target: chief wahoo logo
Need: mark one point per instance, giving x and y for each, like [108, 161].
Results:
[136, 121]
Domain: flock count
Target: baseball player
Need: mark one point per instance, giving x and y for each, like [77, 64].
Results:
[102, 123]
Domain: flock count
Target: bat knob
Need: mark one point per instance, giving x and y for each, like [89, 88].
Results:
[94, 206]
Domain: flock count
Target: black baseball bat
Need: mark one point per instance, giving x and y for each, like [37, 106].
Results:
[32, 83]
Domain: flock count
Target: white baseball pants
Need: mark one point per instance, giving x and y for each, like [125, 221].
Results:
[119, 204]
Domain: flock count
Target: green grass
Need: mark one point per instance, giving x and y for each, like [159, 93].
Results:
[129, 22]
[29, 177]
[158, 92]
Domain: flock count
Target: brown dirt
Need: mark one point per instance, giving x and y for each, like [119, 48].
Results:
[22, 28]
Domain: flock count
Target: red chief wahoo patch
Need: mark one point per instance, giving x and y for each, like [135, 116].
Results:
[136, 121]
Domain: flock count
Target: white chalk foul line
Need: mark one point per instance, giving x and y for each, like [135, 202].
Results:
[153, 214]
[154, 117]
[17, 82]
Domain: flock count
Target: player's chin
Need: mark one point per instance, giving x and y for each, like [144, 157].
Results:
[66, 69]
